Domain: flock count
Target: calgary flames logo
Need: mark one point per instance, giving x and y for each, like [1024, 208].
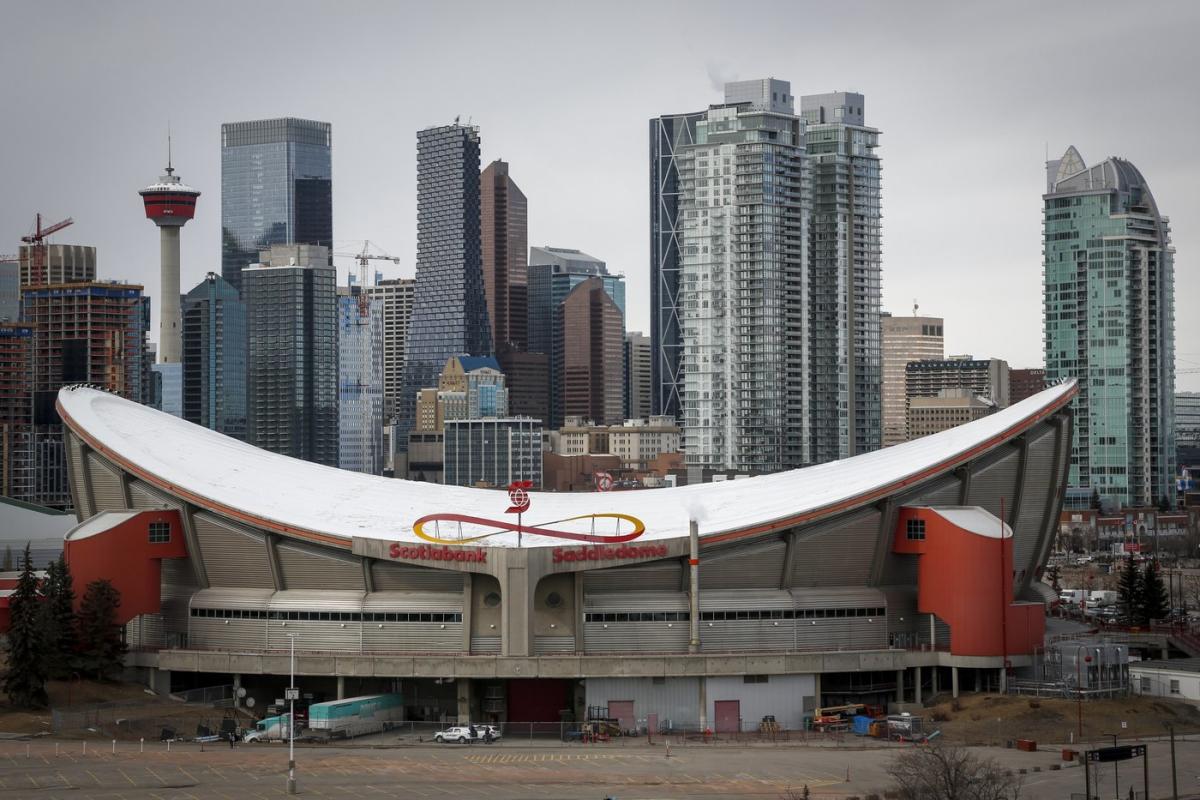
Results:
[626, 528]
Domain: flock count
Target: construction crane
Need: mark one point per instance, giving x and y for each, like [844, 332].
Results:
[363, 257]
[37, 253]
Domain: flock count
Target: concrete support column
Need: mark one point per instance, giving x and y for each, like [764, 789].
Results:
[935, 680]
[237, 684]
[954, 681]
[917, 685]
[341, 687]
[516, 604]
[694, 587]
[702, 699]
[170, 339]
[161, 681]
[1003, 680]
[900, 685]
[816, 691]
[463, 687]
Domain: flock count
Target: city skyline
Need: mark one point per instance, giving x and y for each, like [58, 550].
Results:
[972, 121]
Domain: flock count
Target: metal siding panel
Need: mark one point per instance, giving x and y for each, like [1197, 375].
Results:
[77, 466]
[753, 634]
[839, 597]
[782, 696]
[547, 645]
[656, 576]
[944, 492]
[245, 599]
[315, 635]
[106, 484]
[234, 634]
[674, 700]
[403, 577]
[308, 567]
[838, 553]
[414, 601]
[485, 645]
[637, 601]
[1037, 492]
[635, 637]
[902, 603]
[746, 567]
[232, 556]
[412, 637]
[995, 480]
[145, 497]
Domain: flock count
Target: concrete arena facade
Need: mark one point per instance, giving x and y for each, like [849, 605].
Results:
[783, 612]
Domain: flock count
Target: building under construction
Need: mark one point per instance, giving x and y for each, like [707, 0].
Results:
[90, 332]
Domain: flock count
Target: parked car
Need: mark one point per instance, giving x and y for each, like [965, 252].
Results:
[461, 734]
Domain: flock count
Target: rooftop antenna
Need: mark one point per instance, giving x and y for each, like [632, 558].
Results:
[915, 306]
[170, 169]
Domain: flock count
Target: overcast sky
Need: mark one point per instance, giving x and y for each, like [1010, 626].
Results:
[969, 99]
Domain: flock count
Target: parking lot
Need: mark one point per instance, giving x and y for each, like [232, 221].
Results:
[510, 771]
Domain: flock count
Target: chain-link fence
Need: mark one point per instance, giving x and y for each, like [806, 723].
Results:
[197, 712]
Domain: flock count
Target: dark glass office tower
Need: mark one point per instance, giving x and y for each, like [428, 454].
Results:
[275, 189]
[668, 134]
[292, 374]
[449, 314]
[214, 357]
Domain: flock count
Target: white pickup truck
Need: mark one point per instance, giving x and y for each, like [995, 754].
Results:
[461, 734]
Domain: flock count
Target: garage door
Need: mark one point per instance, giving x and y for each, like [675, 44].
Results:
[622, 711]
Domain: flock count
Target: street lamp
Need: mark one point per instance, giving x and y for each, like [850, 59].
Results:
[291, 696]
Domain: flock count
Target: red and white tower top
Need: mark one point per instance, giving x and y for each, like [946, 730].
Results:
[170, 201]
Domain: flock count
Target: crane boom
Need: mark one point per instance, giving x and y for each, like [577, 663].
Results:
[37, 254]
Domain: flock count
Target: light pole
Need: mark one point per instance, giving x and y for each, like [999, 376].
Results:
[291, 694]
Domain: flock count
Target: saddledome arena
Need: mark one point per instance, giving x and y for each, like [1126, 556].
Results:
[877, 579]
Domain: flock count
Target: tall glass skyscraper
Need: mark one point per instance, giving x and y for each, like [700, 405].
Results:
[449, 315]
[275, 189]
[360, 384]
[214, 357]
[553, 273]
[668, 136]
[1110, 323]
[292, 374]
[743, 283]
[844, 277]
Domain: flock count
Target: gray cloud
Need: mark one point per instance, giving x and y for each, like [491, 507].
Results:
[968, 97]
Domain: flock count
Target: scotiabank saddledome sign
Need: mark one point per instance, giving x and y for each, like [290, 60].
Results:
[603, 537]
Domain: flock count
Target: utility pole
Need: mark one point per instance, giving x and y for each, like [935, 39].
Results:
[291, 694]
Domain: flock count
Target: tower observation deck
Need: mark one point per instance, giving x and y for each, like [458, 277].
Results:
[170, 203]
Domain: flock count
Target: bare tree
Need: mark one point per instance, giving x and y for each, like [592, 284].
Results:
[939, 772]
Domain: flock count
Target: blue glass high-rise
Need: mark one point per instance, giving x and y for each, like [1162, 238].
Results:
[214, 357]
[276, 188]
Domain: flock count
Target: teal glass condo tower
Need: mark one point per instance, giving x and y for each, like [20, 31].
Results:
[1109, 322]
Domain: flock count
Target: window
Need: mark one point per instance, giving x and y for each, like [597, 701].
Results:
[160, 533]
[915, 530]
[1174, 686]
[1145, 685]
[755, 678]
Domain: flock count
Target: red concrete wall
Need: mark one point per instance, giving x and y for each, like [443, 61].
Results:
[961, 579]
[124, 555]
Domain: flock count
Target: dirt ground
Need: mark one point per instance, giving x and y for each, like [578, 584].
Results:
[71, 696]
[993, 719]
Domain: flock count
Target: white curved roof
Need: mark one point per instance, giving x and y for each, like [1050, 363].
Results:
[299, 498]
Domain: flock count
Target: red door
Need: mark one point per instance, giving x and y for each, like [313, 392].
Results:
[729, 716]
[622, 711]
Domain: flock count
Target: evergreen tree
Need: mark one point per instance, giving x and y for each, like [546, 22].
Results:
[25, 682]
[1055, 576]
[101, 647]
[1130, 591]
[1095, 504]
[58, 619]
[1155, 604]
[1164, 505]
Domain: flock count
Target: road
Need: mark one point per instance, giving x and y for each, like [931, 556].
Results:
[44, 769]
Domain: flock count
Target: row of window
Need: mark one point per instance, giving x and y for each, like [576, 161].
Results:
[327, 616]
[734, 616]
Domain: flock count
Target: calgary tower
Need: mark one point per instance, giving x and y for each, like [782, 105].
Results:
[170, 203]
